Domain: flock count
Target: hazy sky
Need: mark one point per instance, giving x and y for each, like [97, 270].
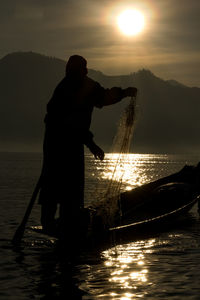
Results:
[169, 45]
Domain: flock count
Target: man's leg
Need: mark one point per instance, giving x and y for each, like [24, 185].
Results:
[48, 211]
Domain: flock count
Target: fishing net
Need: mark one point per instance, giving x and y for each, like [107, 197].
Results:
[108, 207]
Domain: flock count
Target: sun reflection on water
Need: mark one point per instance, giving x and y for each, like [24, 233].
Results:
[126, 171]
[126, 168]
[128, 268]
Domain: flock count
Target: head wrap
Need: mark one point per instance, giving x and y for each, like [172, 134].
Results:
[76, 65]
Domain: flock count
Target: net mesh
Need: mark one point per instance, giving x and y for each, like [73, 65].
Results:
[108, 207]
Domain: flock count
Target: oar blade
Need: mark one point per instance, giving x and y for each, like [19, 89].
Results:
[16, 240]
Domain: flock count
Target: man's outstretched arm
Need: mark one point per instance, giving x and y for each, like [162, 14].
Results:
[116, 94]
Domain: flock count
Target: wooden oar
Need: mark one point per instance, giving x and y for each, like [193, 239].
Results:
[20, 230]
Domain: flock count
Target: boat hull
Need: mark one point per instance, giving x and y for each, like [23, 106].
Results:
[147, 209]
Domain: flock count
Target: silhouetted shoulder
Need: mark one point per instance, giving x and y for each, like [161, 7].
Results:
[60, 86]
[97, 92]
[92, 83]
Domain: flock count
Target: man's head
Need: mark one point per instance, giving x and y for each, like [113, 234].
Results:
[76, 66]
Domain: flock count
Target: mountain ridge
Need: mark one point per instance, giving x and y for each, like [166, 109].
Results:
[167, 114]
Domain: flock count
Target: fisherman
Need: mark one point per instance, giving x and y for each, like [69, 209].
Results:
[67, 121]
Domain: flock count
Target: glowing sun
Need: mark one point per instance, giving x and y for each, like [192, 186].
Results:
[131, 22]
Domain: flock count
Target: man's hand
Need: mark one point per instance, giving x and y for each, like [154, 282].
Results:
[130, 92]
[97, 151]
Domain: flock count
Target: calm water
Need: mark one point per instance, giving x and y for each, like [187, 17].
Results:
[162, 267]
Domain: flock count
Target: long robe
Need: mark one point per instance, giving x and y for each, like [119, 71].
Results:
[68, 119]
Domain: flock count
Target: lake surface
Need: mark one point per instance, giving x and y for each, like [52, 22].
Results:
[161, 267]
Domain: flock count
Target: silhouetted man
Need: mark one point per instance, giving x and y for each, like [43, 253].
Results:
[67, 122]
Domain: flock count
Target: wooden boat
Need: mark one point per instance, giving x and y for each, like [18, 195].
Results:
[148, 208]
[159, 204]
[160, 211]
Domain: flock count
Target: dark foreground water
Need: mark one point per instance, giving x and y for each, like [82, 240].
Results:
[163, 267]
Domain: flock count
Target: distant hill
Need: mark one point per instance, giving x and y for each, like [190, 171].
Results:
[167, 111]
